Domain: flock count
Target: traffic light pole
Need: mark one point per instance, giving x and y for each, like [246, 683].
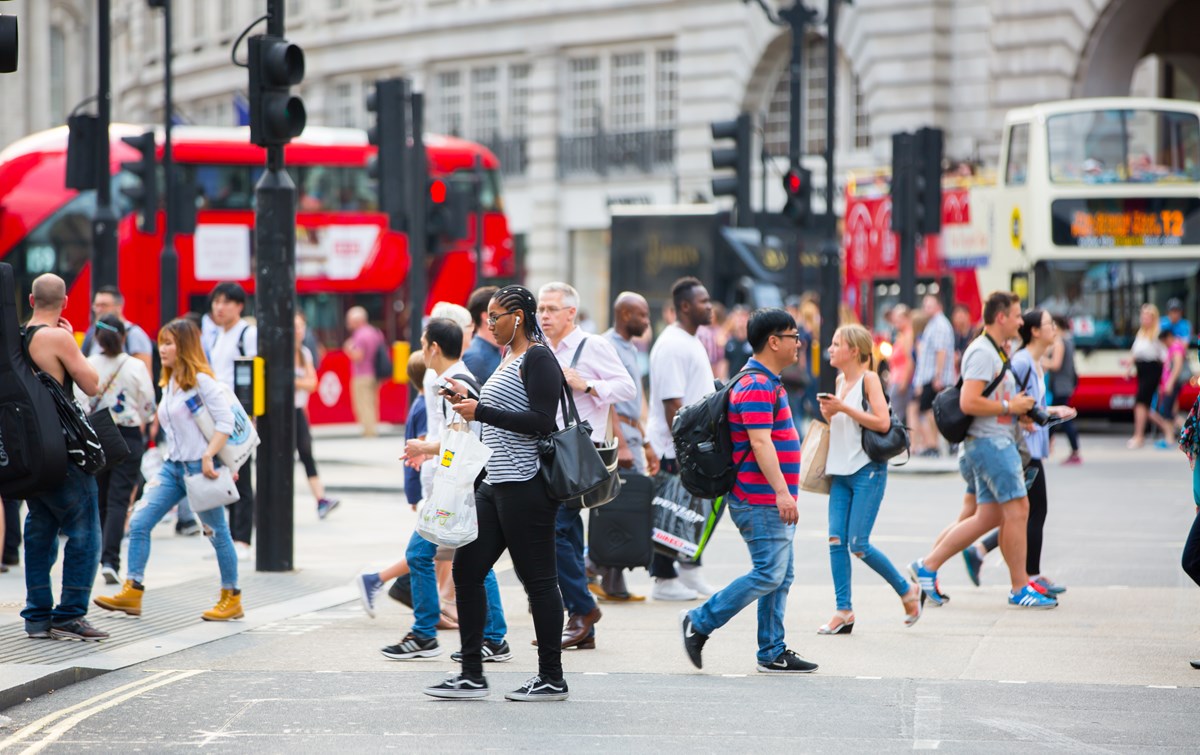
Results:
[104, 223]
[831, 262]
[169, 261]
[417, 251]
[275, 301]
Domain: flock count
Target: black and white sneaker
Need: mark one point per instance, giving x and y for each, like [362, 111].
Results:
[787, 663]
[412, 646]
[493, 652]
[539, 690]
[459, 688]
[693, 641]
[77, 629]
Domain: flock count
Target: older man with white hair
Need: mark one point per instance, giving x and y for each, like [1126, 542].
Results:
[364, 342]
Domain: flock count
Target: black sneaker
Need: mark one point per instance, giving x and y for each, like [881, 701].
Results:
[401, 590]
[412, 646]
[459, 688]
[787, 663]
[693, 641]
[493, 652]
[77, 629]
[539, 690]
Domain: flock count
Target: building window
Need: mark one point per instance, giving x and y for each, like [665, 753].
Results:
[627, 109]
[666, 94]
[485, 104]
[58, 75]
[862, 119]
[343, 106]
[518, 99]
[583, 95]
[448, 114]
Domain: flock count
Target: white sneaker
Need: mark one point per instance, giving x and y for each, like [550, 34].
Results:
[244, 552]
[692, 578]
[672, 589]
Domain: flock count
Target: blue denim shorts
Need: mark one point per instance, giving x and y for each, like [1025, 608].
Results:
[992, 468]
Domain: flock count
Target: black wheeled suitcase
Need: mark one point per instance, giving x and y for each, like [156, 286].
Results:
[619, 531]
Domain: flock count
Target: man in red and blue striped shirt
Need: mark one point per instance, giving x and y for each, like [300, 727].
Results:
[763, 501]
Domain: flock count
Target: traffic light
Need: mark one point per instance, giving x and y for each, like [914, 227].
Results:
[390, 135]
[276, 116]
[738, 158]
[145, 194]
[927, 180]
[81, 151]
[797, 187]
[902, 182]
[8, 44]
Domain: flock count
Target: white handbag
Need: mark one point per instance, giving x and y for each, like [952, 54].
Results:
[204, 494]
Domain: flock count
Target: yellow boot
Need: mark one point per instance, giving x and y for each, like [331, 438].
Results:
[128, 601]
[227, 608]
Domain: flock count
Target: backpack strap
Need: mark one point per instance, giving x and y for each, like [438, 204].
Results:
[242, 339]
[743, 373]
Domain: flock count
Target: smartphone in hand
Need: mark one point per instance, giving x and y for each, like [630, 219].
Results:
[824, 395]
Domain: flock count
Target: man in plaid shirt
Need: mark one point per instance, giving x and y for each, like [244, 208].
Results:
[935, 368]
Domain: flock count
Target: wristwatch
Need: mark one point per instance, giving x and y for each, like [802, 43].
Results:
[1004, 406]
[588, 389]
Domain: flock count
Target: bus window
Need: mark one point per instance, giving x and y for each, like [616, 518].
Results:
[1018, 155]
[223, 187]
[1124, 146]
[1103, 299]
[324, 188]
[463, 181]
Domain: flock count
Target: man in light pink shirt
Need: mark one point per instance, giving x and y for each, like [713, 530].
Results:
[364, 341]
[597, 377]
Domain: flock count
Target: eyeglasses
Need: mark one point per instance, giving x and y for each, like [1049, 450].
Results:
[493, 319]
[787, 335]
[547, 309]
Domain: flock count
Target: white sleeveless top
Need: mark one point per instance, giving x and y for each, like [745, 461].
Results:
[846, 454]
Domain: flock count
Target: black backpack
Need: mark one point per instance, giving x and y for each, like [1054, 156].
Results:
[703, 445]
[33, 452]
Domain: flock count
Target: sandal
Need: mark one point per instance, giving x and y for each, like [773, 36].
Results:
[841, 623]
[914, 605]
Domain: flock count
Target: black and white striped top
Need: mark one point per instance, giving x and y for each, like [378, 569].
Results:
[511, 422]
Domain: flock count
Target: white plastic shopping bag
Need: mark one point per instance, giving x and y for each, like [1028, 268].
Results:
[447, 515]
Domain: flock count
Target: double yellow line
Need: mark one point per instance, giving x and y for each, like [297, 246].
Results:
[55, 725]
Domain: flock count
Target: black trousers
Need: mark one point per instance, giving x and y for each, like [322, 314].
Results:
[115, 487]
[1038, 507]
[241, 512]
[12, 531]
[304, 444]
[519, 516]
[1191, 552]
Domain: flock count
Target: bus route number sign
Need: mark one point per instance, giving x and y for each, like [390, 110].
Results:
[1126, 222]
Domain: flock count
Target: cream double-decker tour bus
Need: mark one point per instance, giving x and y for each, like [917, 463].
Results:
[1095, 212]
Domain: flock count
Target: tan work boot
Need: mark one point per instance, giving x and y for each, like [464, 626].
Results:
[128, 601]
[227, 608]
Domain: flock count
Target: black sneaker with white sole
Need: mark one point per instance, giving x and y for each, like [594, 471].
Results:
[787, 663]
[539, 690]
[693, 641]
[77, 629]
[459, 688]
[493, 652]
[412, 646]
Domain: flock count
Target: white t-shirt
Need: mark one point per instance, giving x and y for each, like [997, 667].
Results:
[228, 345]
[127, 390]
[982, 362]
[679, 368]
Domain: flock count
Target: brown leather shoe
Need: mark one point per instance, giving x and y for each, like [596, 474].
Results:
[580, 631]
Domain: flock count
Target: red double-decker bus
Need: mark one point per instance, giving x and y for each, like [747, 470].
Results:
[345, 253]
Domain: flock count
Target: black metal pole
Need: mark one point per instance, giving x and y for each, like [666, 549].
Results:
[479, 220]
[417, 242]
[275, 302]
[831, 262]
[104, 224]
[169, 261]
[798, 18]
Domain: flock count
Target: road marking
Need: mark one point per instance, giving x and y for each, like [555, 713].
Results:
[1010, 681]
[868, 677]
[927, 719]
[595, 673]
[734, 676]
[1161, 686]
[80, 712]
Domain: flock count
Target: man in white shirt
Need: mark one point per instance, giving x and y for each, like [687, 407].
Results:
[234, 338]
[597, 377]
[680, 374]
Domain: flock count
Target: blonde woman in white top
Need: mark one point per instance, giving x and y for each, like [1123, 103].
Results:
[126, 391]
[1145, 361]
[858, 482]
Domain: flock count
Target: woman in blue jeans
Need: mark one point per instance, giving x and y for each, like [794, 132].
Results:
[189, 387]
[858, 483]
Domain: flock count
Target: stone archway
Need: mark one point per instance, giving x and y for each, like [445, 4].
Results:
[1127, 31]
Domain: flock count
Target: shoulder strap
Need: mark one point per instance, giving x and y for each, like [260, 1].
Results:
[28, 339]
[242, 339]
[996, 381]
[96, 399]
[730, 386]
[578, 352]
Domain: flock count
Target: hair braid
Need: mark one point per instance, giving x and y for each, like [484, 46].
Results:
[522, 300]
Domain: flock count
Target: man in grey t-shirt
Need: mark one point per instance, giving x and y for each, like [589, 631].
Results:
[990, 460]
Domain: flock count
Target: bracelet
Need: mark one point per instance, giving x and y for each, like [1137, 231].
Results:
[1004, 406]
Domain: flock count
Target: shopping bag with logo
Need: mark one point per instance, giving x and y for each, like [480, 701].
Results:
[683, 522]
[447, 515]
[813, 454]
[244, 438]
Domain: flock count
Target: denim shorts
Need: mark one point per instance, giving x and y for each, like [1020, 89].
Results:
[992, 468]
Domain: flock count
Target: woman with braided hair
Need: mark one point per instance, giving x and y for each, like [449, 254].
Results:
[516, 406]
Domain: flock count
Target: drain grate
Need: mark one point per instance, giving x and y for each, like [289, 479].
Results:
[164, 610]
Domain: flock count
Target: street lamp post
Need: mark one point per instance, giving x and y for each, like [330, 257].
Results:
[104, 223]
[169, 260]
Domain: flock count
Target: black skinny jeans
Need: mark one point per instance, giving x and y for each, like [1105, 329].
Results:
[115, 486]
[1037, 522]
[1191, 552]
[304, 444]
[519, 516]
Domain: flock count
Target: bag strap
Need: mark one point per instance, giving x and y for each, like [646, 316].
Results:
[731, 384]
[578, 352]
[96, 400]
[992, 385]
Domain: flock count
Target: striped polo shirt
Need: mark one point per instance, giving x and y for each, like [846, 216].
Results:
[758, 401]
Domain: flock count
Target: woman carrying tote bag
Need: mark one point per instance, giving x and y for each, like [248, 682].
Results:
[189, 387]
[858, 483]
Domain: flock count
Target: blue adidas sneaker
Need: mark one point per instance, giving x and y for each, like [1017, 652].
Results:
[928, 581]
[1029, 597]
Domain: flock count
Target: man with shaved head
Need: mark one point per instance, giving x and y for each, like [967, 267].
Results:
[73, 507]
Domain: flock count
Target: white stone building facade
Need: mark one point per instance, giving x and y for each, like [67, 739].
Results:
[591, 103]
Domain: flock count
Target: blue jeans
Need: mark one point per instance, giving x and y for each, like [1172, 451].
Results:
[427, 605]
[853, 505]
[161, 494]
[74, 509]
[572, 572]
[770, 544]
